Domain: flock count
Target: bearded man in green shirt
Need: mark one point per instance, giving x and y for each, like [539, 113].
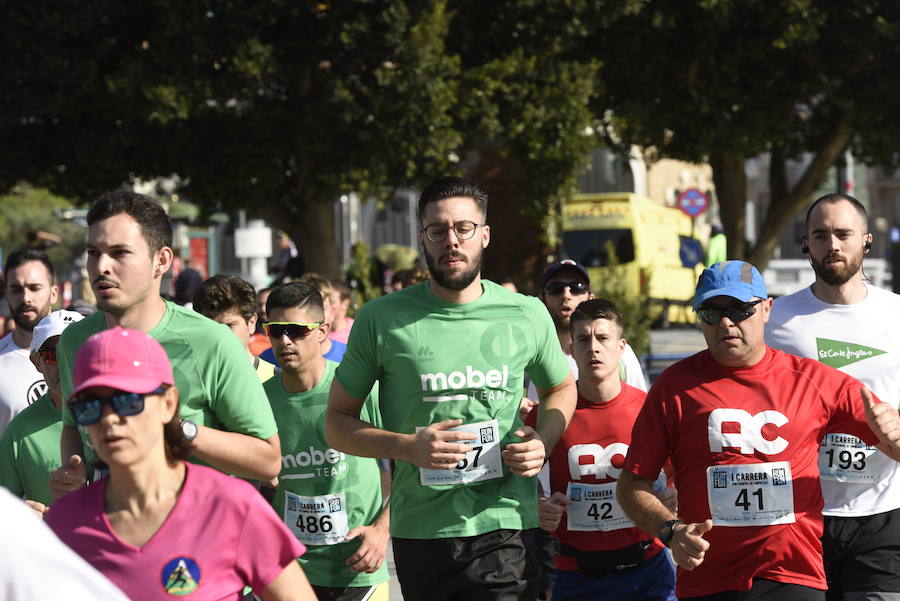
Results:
[449, 356]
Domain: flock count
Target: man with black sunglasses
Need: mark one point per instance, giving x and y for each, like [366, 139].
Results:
[843, 321]
[741, 424]
[331, 501]
[29, 448]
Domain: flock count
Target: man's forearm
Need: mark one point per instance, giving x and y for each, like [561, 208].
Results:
[354, 436]
[70, 444]
[642, 505]
[557, 406]
[239, 454]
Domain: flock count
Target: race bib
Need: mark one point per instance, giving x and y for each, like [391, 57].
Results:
[481, 463]
[594, 507]
[751, 494]
[846, 458]
[316, 520]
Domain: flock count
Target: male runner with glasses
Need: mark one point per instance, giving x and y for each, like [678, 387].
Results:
[29, 448]
[330, 500]
[450, 355]
[847, 324]
[223, 406]
[741, 424]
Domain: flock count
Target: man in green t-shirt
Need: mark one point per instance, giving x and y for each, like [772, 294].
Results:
[330, 500]
[29, 447]
[449, 356]
[223, 406]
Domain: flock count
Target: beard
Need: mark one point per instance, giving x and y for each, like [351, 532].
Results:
[837, 274]
[460, 280]
[25, 323]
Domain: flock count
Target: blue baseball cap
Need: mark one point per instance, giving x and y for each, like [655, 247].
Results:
[737, 279]
[566, 265]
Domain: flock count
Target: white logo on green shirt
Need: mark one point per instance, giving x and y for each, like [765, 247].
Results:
[316, 459]
[458, 380]
[837, 354]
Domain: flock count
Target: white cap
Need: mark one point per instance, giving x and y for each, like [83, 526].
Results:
[52, 325]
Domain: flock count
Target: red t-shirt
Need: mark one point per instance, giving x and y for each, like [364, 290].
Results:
[592, 452]
[700, 413]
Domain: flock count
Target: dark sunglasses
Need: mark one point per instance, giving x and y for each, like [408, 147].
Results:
[294, 330]
[48, 356]
[555, 288]
[87, 411]
[737, 313]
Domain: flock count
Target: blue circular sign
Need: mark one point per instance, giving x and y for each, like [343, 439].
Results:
[692, 202]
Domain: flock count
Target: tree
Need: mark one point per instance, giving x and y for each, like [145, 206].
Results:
[724, 81]
[281, 106]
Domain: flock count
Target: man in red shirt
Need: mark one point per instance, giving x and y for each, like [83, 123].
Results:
[602, 554]
[741, 424]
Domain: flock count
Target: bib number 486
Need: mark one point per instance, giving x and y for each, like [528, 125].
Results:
[313, 525]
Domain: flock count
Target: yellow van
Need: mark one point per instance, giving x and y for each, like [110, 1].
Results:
[659, 254]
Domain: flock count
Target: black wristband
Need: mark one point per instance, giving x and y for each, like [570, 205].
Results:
[667, 531]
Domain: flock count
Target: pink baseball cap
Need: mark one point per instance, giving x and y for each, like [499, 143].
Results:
[128, 360]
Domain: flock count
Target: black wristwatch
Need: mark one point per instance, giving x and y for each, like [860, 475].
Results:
[667, 531]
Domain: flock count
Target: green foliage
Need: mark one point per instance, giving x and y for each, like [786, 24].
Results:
[25, 208]
[363, 273]
[635, 311]
[397, 256]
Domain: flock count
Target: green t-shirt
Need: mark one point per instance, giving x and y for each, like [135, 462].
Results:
[436, 360]
[29, 451]
[314, 476]
[217, 385]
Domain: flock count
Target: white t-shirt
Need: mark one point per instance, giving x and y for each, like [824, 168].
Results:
[20, 383]
[862, 340]
[36, 566]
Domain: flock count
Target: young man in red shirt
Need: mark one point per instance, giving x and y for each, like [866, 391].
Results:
[741, 424]
[602, 555]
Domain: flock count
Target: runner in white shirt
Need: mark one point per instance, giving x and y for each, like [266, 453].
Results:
[30, 293]
[849, 325]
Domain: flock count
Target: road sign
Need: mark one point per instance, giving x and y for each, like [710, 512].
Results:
[692, 202]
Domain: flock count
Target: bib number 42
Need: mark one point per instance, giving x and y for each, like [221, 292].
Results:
[595, 512]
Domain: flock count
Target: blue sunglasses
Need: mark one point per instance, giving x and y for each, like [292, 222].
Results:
[87, 411]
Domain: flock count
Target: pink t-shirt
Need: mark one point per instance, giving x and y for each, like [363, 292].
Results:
[220, 536]
[342, 335]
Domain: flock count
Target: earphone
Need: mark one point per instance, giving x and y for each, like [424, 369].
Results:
[805, 249]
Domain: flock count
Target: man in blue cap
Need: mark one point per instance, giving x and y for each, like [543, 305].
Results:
[741, 424]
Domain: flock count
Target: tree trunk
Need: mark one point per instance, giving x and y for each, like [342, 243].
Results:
[517, 248]
[782, 209]
[731, 192]
[312, 230]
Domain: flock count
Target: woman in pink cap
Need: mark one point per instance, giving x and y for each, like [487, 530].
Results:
[158, 526]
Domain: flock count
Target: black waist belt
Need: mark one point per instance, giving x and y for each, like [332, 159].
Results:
[601, 563]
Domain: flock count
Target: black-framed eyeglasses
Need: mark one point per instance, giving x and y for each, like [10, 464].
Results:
[464, 230]
[737, 312]
[294, 329]
[87, 410]
[554, 288]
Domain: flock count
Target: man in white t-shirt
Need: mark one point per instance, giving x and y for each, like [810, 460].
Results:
[30, 293]
[849, 325]
[566, 284]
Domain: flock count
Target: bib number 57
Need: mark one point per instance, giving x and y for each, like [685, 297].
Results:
[464, 463]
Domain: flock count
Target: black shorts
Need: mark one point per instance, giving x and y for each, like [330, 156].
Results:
[494, 566]
[766, 590]
[545, 549]
[345, 593]
[862, 554]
